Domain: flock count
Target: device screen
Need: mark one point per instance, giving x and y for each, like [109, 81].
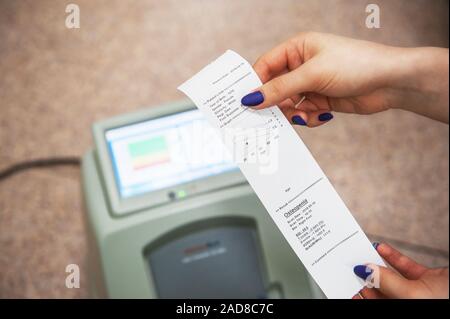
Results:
[164, 152]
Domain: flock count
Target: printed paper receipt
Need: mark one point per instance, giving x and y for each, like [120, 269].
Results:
[288, 181]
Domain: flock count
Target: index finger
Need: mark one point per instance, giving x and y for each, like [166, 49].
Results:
[283, 58]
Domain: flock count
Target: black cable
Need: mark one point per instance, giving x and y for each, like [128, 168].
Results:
[39, 163]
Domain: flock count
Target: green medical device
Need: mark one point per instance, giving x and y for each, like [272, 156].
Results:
[170, 216]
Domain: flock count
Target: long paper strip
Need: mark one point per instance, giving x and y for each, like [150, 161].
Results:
[281, 170]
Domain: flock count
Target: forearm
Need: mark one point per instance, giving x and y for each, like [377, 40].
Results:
[421, 82]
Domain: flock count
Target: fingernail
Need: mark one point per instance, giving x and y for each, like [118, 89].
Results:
[253, 99]
[362, 271]
[375, 245]
[298, 120]
[325, 117]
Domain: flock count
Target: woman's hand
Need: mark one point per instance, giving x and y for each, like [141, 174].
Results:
[408, 279]
[313, 74]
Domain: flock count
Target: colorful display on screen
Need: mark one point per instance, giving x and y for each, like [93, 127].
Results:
[148, 153]
[164, 152]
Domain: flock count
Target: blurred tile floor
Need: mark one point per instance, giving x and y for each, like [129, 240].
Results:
[390, 168]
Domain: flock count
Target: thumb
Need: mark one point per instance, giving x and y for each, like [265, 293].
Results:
[282, 87]
[387, 281]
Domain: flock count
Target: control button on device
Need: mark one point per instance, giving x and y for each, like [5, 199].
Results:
[172, 195]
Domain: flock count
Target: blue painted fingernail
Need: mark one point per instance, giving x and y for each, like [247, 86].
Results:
[325, 117]
[362, 271]
[375, 245]
[253, 99]
[298, 120]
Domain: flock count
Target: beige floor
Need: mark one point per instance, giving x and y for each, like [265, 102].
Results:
[391, 168]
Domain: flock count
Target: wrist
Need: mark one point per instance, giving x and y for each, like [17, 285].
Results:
[418, 81]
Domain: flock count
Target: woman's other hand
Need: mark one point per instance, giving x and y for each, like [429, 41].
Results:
[406, 280]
